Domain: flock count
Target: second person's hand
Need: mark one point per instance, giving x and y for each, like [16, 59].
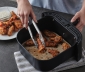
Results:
[24, 10]
[81, 16]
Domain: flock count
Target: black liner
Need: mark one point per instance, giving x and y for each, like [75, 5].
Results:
[66, 30]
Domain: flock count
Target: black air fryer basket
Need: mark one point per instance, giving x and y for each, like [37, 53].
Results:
[53, 22]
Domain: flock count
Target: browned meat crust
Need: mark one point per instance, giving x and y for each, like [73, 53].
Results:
[65, 46]
[10, 30]
[11, 25]
[29, 43]
[49, 33]
[13, 16]
[41, 47]
[56, 39]
[18, 24]
[3, 29]
[50, 44]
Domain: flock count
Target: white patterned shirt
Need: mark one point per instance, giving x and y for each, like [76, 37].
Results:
[67, 6]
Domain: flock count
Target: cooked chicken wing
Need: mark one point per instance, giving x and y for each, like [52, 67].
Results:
[11, 25]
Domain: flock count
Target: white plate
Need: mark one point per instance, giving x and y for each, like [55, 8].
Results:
[6, 37]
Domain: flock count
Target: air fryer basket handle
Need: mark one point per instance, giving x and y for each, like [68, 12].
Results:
[75, 22]
[53, 13]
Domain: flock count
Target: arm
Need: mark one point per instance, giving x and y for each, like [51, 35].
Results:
[81, 15]
[24, 10]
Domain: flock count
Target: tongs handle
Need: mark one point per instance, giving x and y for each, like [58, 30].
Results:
[36, 27]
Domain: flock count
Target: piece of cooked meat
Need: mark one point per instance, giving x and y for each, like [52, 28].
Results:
[3, 29]
[49, 33]
[65, 46]
[10, 30]
[37, 35]
[53, 52]
[57, 39]
[29, 43]
[11, 25]
[8, 23]
[50, 44]
[41, 47]
[18, 24]
[13, 16]
[16, 29]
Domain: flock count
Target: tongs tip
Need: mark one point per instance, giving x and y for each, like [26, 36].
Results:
[40, 35]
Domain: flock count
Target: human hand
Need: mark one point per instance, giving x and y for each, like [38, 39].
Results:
[81, 16]
[24, 10]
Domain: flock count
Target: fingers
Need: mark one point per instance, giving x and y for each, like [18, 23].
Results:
[26, 20]
[21, 15]
[75, 17]
[24, 16]
[22, 19]
[80, 26]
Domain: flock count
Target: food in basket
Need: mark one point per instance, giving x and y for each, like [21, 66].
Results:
[42, 56]
[53, 52]
[11, 25]
[54, 45]
[65, 46]
[50, 43]
[56, 39]
[41, 47]
[53, 41]
[49, 33]
[28, 43]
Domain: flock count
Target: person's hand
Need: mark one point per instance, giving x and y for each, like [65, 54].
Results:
[81, 16]
[24, 10]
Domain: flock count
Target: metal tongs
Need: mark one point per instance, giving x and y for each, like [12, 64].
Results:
[40, 35]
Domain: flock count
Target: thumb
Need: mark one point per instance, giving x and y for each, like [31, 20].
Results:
[76, 16]
[33, 16]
